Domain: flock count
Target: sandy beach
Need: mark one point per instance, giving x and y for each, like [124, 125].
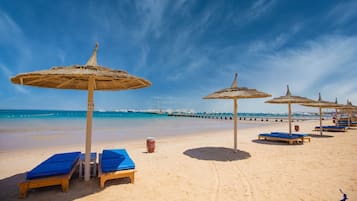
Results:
[203, 167]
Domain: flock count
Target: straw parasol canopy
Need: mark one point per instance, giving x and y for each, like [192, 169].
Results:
[336, 112]
[289, 99]
[90, 76]
[349, 108]
[338, 107]
[78, 76]
[235, 93]
[321, 104]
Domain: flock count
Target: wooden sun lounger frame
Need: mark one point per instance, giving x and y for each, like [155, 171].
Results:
[62, 180]
[104, 176]
[290, 141]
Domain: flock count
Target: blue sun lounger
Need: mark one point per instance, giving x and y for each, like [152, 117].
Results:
[280, 136]
[56, 170]
[303, 135]
[345, 123]
[115, 164]
[332, 128]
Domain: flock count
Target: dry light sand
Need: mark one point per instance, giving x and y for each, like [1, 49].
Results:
[203, 167]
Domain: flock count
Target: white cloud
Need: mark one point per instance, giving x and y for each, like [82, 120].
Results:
[5, 71]
[9, 30]
[275, 42]
[344, 89]
[152, 13]
[12, 36]
[61, 55]
[268, 45]
[343, 13]
[179, 4]
[191, 67]
[183, 55]
[327, 65]
[21, 89]
[310, 68]
[8, 74]
[259, 8]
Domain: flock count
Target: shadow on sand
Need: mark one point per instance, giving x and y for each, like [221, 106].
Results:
[320, 136]
[77, 189]
[216, 154]
[352, 128]
[9, 188]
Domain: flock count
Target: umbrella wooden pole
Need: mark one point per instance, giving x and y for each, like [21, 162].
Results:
[336, 117]
[89, 129]
[289, 105]
[235, 124]
[320, 108]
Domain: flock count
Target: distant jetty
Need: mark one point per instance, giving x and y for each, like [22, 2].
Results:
[244, 117]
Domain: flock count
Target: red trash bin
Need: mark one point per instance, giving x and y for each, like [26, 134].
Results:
[297, 128]
[150, 144]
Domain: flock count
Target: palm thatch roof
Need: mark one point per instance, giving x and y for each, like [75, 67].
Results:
[236, 92]
[348, 107]
[77, 76]
[322, 104]
[288, 98]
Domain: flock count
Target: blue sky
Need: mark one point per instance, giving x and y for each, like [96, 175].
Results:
[186, 48]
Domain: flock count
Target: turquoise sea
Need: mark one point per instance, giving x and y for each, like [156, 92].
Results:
[26, 129]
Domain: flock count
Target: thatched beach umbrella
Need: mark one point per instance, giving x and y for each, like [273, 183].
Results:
[83, 77]
[235, 93]
[340, 106]
[321, 104]
[289, 99]
[348, 108]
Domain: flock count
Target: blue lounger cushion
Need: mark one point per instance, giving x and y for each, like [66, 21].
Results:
[116, 159]
[293, 134]
[280, 135]
[57, 164]
[335, 127]
[346, 122]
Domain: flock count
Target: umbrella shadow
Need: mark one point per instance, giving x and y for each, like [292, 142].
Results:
[352, 128]
[9, 188]
[77, 189]
[320, 136]
[270, 142]
[216, 154]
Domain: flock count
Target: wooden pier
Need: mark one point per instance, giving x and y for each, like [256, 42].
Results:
[225, 116]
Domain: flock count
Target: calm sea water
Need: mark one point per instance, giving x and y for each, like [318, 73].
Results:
[25, 129]
[57, 114]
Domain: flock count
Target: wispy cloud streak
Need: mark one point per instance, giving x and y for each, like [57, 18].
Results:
[311, 67]
[343, 13]
[8, 74]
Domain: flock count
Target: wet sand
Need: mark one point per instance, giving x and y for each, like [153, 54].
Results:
[30, 133]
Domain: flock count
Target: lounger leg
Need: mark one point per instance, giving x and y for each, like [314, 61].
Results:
[23, 187]
[132, 178]
[102, 181]
[65, 184]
